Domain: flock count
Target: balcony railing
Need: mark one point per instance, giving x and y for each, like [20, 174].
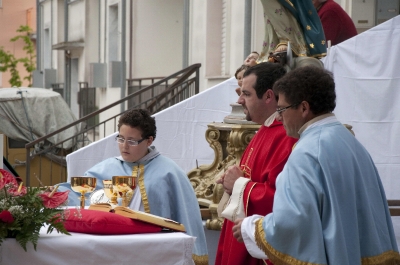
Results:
[155, 97]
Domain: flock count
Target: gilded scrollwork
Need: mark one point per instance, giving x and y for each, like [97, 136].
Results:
[228, 142]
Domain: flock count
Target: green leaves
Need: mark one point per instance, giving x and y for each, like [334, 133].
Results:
[30, 217]
[8, 62]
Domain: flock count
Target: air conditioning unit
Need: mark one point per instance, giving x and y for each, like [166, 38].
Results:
[386, 9]
[115, 73]
[98, 75]
[363, 13]
[50, 77]
[45, 78]
[37, 79]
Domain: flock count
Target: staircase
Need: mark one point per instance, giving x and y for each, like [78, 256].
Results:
[155, 97]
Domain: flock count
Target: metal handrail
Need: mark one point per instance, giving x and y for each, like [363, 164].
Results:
[394, 207]
[181, 77]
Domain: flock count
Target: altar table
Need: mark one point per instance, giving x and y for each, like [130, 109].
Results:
[138, 249]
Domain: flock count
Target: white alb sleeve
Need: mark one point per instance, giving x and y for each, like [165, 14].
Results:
[234, 208]
[248, 230]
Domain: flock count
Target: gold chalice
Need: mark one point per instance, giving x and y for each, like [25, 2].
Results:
[83, 185]
[124, 186]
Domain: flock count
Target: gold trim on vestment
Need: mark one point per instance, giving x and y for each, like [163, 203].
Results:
[143, 189]
[290, 3]
[386, 258]
[284, 43]
[245, 168]
[200, 260]
[135, 171]
[275, 256]
[318, 55]
[248, 198]
[278, 258]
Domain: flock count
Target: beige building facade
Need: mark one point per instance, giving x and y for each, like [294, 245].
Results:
[104, 42]
[13, 14]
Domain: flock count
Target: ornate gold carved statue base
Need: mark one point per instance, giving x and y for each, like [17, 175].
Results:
[228, 142]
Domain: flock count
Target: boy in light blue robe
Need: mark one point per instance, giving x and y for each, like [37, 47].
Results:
[330, 206]
[163, 188]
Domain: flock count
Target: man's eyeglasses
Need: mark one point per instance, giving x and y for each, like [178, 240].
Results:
[121, 140]
[280, 110]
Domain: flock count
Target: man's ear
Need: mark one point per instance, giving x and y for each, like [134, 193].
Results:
[150, 140]
[305, 109]
[269, 95]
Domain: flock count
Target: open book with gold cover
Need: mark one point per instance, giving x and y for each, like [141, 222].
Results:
[138, 215]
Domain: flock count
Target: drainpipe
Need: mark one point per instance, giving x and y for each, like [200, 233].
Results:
[66, 57]
[66, 20]
[123, 53]
[130, 39]
[247, 28]
[38, 36]
[99, 33]
[185, 46]
[51, 34]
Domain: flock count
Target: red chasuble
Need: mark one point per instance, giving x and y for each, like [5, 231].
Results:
[262, 161]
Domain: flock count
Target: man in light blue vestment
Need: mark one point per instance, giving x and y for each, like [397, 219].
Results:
[163, 188]
[330, 206]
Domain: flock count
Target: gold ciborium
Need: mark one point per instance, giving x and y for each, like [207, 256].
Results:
[104, 195]
[124, 186]
[83, 185]
[109, 190]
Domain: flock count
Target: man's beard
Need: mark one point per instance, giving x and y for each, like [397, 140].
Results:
[248, 117]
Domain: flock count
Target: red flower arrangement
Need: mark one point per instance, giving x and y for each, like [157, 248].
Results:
[6, 217]
[24, 210]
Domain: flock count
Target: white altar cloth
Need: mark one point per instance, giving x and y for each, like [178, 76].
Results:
[138, 249]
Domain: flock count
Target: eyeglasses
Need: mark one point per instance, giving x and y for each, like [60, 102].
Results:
[280, 110]
[121, 140]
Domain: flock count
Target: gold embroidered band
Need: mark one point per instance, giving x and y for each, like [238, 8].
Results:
[143, 189]
[200, 260]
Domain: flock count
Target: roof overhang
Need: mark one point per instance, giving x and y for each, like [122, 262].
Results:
[69, 45]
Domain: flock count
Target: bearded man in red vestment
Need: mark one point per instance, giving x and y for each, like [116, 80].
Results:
[250, 185]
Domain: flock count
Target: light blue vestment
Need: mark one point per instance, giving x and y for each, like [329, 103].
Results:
[330, 206]
[165, 189]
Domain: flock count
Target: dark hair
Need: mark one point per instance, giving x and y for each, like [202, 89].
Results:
[267, 73]
[139, 119]
[241, 68]
[309, 83]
